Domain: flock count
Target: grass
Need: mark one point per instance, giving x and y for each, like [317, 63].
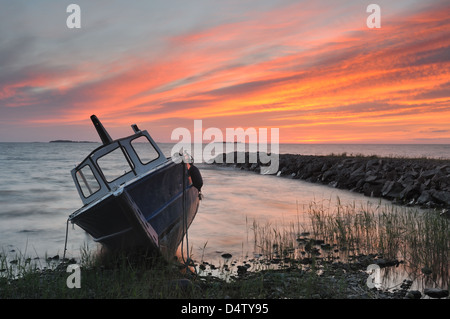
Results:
[124, 278]
[107, 276]
[324, 258]
[416, 241]
[394, 231]
[420, 240]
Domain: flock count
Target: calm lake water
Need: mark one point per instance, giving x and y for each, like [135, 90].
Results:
[37, 195]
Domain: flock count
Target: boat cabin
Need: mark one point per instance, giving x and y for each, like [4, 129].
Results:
[115, 163]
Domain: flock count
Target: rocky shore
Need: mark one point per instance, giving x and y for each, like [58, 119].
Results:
[406, 181]
[299, 279]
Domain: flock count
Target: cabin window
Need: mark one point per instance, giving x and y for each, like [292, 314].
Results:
[115, 164]
[87, 181]
[144, 150]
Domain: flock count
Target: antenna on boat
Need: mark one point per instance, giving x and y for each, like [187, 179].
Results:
[104, 136]
[135, 128]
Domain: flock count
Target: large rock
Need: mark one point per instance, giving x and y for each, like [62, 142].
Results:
[441, 196]
[424, 198]
[436, 292]
[411, 191]
[392, 190]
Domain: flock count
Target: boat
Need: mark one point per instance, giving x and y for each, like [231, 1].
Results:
[134, 197]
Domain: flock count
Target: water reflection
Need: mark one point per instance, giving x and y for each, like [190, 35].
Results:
[250, 216]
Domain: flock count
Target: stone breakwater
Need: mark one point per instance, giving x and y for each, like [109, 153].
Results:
[421, 182]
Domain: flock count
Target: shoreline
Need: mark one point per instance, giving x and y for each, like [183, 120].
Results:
[308, 278]
[126, 277]
[323, 261]
[418, 182]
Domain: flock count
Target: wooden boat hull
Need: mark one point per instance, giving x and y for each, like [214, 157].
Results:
[153, 212]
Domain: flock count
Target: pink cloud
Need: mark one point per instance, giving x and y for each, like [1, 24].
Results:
[317, 73]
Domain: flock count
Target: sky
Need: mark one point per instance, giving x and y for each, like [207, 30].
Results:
[312, 69]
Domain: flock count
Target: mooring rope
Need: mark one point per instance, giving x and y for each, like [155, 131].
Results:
[65, 242]
[187, 262]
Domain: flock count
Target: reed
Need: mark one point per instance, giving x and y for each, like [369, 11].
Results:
[418, 240]
[398, 232]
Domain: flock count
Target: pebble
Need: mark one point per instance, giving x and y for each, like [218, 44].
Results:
[305, 234]
[406, 284]
[56, 257]
[241, 270]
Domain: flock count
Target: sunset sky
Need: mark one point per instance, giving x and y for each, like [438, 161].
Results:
[313, 69]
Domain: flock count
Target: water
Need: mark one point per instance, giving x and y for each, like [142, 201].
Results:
[37, 195]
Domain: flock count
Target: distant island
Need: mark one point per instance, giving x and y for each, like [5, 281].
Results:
[69, 141]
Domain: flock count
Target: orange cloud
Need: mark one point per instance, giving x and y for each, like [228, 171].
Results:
[317, 77]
